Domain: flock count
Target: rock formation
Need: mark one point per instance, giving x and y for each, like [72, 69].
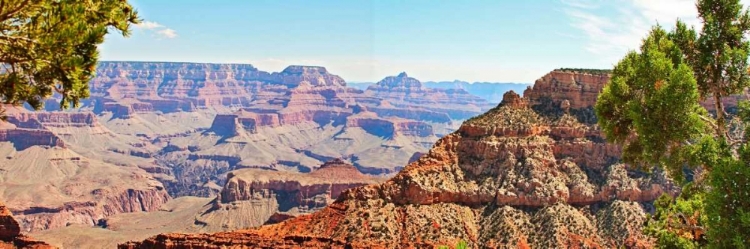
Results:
[293, 120]
[522, 174]
[51, 176]
[580, 89]
[10, 233]
[313, 121]
[253, 197]
[152, 131]
[409, 93]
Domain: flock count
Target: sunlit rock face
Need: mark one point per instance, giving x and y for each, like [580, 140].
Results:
[534, 172]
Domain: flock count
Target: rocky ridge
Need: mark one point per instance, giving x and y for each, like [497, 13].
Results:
[241, 117]
[52, 178]
[533, 171]
[301, 127]
[10, 233]
[253, 197]
[153, 130]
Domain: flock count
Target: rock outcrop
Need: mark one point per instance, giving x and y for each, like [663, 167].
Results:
[253, 197]
[516, 176]
[25, 138]
[300, 189]
[10, 233]
[580, 89]
[298, 126]
[52, 176]
[37, 218]
[406, 92]
[389, 127]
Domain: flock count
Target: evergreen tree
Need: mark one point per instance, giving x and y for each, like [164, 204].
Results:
[50, 46]
[651, 108]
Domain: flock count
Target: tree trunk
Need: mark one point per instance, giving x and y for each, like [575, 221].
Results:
[720, 129]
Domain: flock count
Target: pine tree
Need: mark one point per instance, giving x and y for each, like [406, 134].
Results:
[50, 46]
[651, 108]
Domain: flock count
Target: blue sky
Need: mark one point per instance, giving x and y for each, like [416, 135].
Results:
[366, 40]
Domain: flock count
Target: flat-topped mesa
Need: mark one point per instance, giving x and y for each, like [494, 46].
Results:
[508, 177]
[579, 87]
[338, 168]
[54, 119]
[402, 82]
[328, 181]
[268, 194]
[200, 84]
[292, 76]
[389, 127]
[406, 92]
[175, 70]
[25, 138]
[26, 129]
[225, 125]
[304, 70]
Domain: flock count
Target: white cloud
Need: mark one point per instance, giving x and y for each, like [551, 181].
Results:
[612, 29]
[586, 4]
[158, 29]
[149, 25]
[167, 33]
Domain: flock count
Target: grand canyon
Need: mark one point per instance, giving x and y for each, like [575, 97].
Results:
[216, 147]
[230, 155]
[374, 124]
[534, 171]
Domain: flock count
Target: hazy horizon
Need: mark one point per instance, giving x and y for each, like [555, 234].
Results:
[364, 41]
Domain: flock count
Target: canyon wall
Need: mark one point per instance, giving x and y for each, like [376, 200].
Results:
[530, 172]
[10, 233]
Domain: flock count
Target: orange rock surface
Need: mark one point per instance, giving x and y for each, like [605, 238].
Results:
[10, 233]
[517, 175]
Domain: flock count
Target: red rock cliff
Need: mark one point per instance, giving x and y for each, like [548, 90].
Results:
[507, 178]
[10, 233]
[580, 89]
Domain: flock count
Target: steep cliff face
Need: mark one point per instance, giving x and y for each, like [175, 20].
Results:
[579, 89]
[253, 197]
[389, 127]
[200, 83]
[316, 76]
[10, 233]
[50, 185]
[518, 175]
[25, 138]
[328, 181]
[105, 204]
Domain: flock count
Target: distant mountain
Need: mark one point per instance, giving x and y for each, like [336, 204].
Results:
[490, 91]
[359, 85]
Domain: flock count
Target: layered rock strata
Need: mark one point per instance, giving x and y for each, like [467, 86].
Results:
[253, 197]
[519, 175]
[10, 233]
